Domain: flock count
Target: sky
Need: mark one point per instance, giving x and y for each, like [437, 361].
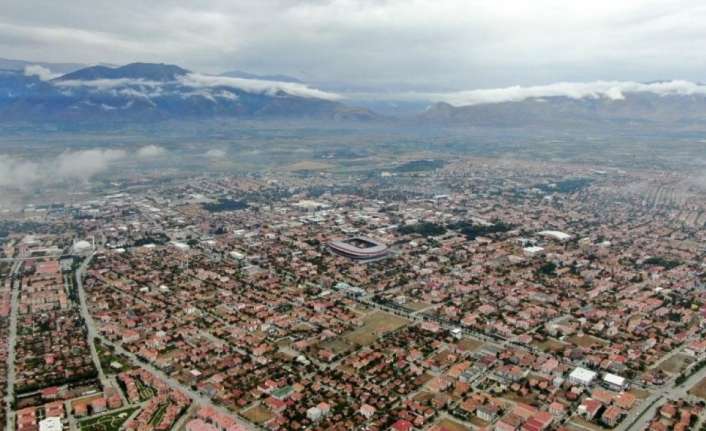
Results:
[374, 45]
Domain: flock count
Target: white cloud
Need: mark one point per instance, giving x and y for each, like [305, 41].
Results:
[151, 151]
[201, 85]
[613, 90]
[86, 164]
[40, 72]
[69, 165]
[108, 84]
[18, 173]
[271, 88]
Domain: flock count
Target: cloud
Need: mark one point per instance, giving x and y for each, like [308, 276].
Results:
[69, 165]
[40, 72]
[151, 151]
[271, 88]
[382, 44]
[612, 90]
[206, 86]
[18, 173]
[86, 164]
[215, 154]
[108, 84]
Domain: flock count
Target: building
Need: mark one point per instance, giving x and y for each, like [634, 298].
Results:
[51, 424]
[614, 382]
[359, 248]
[582, 376]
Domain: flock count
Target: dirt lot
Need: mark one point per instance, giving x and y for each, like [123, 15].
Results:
[451, 425]
[676, 363]
[258, 414]
[549, 345]
[640, 394]
[336, 345]
[375, 325]
[699, 389]
[469, 344]
[586, 341]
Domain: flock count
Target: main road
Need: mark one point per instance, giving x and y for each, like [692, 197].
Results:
[171, 382]
[11, 340]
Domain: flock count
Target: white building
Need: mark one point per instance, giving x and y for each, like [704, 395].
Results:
[615, 382]
[555, 234]
[582, 376]
[51, 424]
[314, 414]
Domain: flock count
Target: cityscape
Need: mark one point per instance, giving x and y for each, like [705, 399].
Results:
[352, 215]
[529, 296]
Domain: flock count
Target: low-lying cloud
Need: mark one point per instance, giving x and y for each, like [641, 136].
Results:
[271, 88]
[68, 166]
[612, 90]
[151, 151]
[40, 72]
[197, 85]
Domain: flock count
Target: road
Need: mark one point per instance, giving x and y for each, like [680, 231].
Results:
[91, 335]
[171, 382]
[641, 416]
[11, 340]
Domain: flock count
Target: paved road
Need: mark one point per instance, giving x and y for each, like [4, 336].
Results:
[91, 328]
[11, 340]
[172, 383]
[669, 391]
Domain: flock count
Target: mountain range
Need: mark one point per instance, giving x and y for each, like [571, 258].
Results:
[151, 92]
[144, 92]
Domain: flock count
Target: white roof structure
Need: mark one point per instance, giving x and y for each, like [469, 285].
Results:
[50, 424]
[532, 250]
[613, 379]
[555, 234]
[582, 376]
[81, 246]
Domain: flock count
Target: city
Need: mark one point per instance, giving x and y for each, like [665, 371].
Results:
[527, 295]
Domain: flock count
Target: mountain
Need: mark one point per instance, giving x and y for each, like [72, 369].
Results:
[141, 92]
[144, 71]
[636, 108]
[246, 75]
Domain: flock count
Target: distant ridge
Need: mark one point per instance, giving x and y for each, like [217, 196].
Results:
[147, 71]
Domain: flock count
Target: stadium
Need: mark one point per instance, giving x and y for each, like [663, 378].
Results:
[359, 248]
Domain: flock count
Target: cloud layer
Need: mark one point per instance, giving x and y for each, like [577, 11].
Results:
[394, 44]
[612, 90]
[67, 166]
[206, 86]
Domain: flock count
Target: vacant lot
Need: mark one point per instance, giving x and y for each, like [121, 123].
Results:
[676, 363]
[699, 389]
[452, 425]
[549, 345]
[375, 325]
[258, 414]
[468, 344]
[586, 341]
[336, 345]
